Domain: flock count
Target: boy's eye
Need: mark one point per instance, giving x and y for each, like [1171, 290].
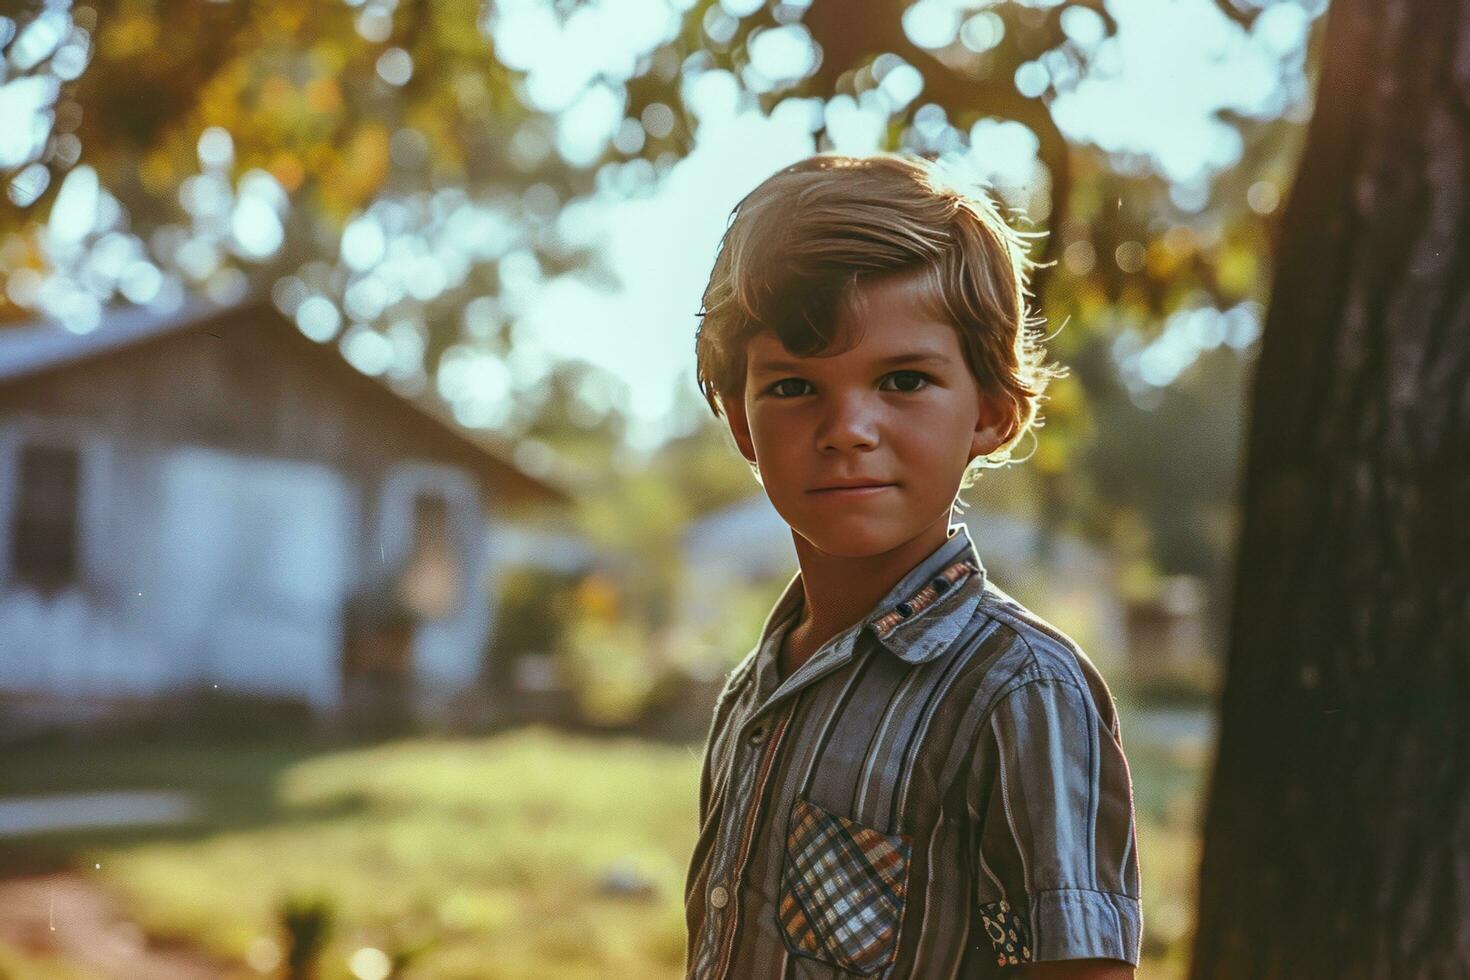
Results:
[917, 375]
[774, 389]
[910, 376]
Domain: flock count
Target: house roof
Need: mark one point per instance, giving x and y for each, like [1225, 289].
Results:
[33, 346]
[38, 347]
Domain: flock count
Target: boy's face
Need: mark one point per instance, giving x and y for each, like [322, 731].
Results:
[914, 427]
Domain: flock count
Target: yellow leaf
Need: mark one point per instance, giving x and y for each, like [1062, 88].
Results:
[275, 94]
[323, 95]
[1237, 271]
[287, 169]
[597, 597]
[129, 36]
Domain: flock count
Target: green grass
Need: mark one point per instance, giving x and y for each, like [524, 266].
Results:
[492, 849]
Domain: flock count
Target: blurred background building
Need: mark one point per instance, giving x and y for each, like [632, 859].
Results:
[210, 501]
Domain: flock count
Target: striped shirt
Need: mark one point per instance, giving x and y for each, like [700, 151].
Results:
[939, 792]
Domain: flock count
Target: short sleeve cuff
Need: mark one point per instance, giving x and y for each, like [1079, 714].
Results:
[1076, 923]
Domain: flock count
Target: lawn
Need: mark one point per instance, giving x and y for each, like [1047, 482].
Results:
[496, 852]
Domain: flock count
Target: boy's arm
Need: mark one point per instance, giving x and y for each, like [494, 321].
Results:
[705, 785]
[706, 789]
[706, 767]
[716, 725]
[724, 703]
[1079, 970]
[1057, 865]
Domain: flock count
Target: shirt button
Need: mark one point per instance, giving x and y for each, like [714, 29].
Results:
[718, 897]
[757, 736]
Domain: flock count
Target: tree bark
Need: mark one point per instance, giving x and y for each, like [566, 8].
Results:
[1337, 833]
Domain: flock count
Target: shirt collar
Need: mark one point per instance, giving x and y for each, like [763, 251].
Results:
[921, 615]
[913, 621]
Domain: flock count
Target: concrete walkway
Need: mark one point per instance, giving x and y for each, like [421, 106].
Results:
[72, 915]
[22, 815]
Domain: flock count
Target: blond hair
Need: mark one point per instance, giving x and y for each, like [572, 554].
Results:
[797, 244]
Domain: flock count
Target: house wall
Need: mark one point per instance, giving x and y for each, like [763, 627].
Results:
[235, 493]
[254, 558]
[197, 567]
[84, 640]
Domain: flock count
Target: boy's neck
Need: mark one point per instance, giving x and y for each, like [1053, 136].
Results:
[838, 592]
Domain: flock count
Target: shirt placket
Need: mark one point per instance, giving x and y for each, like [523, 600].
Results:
[724, 895]
[754, 758]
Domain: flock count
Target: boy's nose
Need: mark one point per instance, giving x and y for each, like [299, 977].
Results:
[849, 424]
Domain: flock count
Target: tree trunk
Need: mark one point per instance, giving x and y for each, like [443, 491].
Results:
[1337, 835]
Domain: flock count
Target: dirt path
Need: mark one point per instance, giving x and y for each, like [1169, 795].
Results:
[70, 915]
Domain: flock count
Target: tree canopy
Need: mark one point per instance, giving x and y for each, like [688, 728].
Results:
[403, 176]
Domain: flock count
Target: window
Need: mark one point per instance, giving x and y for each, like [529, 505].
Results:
[44, 533]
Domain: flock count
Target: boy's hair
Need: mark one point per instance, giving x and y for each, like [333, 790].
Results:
[797, 244]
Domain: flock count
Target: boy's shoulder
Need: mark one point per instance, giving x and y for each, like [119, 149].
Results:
[1039, 652]
[737, 677]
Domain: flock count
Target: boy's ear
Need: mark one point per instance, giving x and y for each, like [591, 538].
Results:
[995, 426]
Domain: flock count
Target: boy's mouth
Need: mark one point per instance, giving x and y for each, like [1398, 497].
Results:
[856, 490]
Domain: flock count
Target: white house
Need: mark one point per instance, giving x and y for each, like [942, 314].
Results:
[208, 499]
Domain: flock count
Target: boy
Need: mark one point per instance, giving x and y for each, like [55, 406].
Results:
[911, 775]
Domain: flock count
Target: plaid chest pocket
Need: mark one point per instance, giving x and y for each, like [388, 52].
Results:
[842, 889]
